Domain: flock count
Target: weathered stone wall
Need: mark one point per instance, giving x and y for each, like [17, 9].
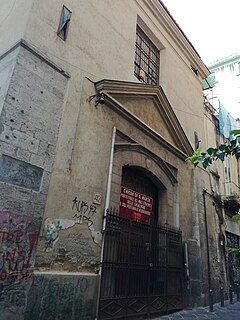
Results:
[205, 242]
[62, 296]
[29, 124]
[6, 69]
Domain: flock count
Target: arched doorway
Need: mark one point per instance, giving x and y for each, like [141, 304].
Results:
[142, 260]
[138, 180]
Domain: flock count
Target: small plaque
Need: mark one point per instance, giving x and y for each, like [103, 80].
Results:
[20, 173]
[97, 198]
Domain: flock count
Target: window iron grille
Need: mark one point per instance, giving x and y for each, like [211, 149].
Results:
[147, 57]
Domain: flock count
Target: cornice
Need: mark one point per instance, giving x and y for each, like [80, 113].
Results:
[224, 62]
[170, 26]
[29, 47]
[111, 87]
[159, 161]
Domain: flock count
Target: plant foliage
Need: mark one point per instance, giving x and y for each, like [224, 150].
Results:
[235, 251]
[230, 147]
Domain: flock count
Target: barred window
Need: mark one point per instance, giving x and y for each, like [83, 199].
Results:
[146, 67]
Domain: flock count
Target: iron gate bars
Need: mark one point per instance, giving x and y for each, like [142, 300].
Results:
[142, 269]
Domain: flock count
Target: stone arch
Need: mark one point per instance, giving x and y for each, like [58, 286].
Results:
[158, 171]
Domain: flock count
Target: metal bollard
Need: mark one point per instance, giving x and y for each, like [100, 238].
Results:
[210, 300]
[238, 298]
[231, 294]
[222, 296]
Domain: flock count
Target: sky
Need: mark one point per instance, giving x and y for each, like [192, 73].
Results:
[213, 28]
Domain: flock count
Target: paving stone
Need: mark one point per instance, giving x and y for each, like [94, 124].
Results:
[228, 312]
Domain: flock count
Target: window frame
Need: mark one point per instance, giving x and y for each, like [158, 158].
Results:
[147, 58]
[63, 26]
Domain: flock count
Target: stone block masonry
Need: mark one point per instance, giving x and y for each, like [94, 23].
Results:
[31, 102]
[62, 296]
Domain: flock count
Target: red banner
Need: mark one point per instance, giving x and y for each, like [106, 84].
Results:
[135, 206]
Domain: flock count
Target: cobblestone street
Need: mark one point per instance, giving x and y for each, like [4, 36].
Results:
[228, 312]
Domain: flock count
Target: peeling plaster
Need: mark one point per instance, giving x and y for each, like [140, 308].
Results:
[52, 228]
[96, 235]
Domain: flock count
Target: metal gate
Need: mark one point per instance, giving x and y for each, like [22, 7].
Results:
[233, 262]
[142, 269]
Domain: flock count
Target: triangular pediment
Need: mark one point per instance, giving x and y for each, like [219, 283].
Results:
[146, 109]
[149, 108]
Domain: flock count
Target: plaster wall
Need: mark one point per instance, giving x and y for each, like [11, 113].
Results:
[14, 16]
[100, 44]
[110, 53]
[88, 176]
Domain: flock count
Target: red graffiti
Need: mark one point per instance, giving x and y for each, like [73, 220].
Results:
[18, 238]
[32, 240]
[15, 255]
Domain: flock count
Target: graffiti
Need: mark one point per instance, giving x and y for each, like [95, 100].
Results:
[52, 229]
[64, 297]
[14, 296]
[18, 237]
[51, 232]
[84, 211]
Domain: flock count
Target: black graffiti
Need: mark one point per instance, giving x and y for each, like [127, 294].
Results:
[84, 211]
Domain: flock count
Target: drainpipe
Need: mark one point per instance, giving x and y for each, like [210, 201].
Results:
[107, 201]
[109, 182]
[207, 241]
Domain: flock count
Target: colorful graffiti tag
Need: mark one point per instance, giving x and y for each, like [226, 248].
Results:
[52, 229]
[18, 236]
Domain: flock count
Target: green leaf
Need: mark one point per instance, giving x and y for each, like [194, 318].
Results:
[237, 155]
[235, 252]
[222, 147]
[235, 150]
[193, 159]
[206, 162]
[228, 150]
[198, 151]
[236, 217]
[211, 150]
[235, 132]
[221, 156]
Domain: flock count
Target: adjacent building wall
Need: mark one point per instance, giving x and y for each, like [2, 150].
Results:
[29, 122]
